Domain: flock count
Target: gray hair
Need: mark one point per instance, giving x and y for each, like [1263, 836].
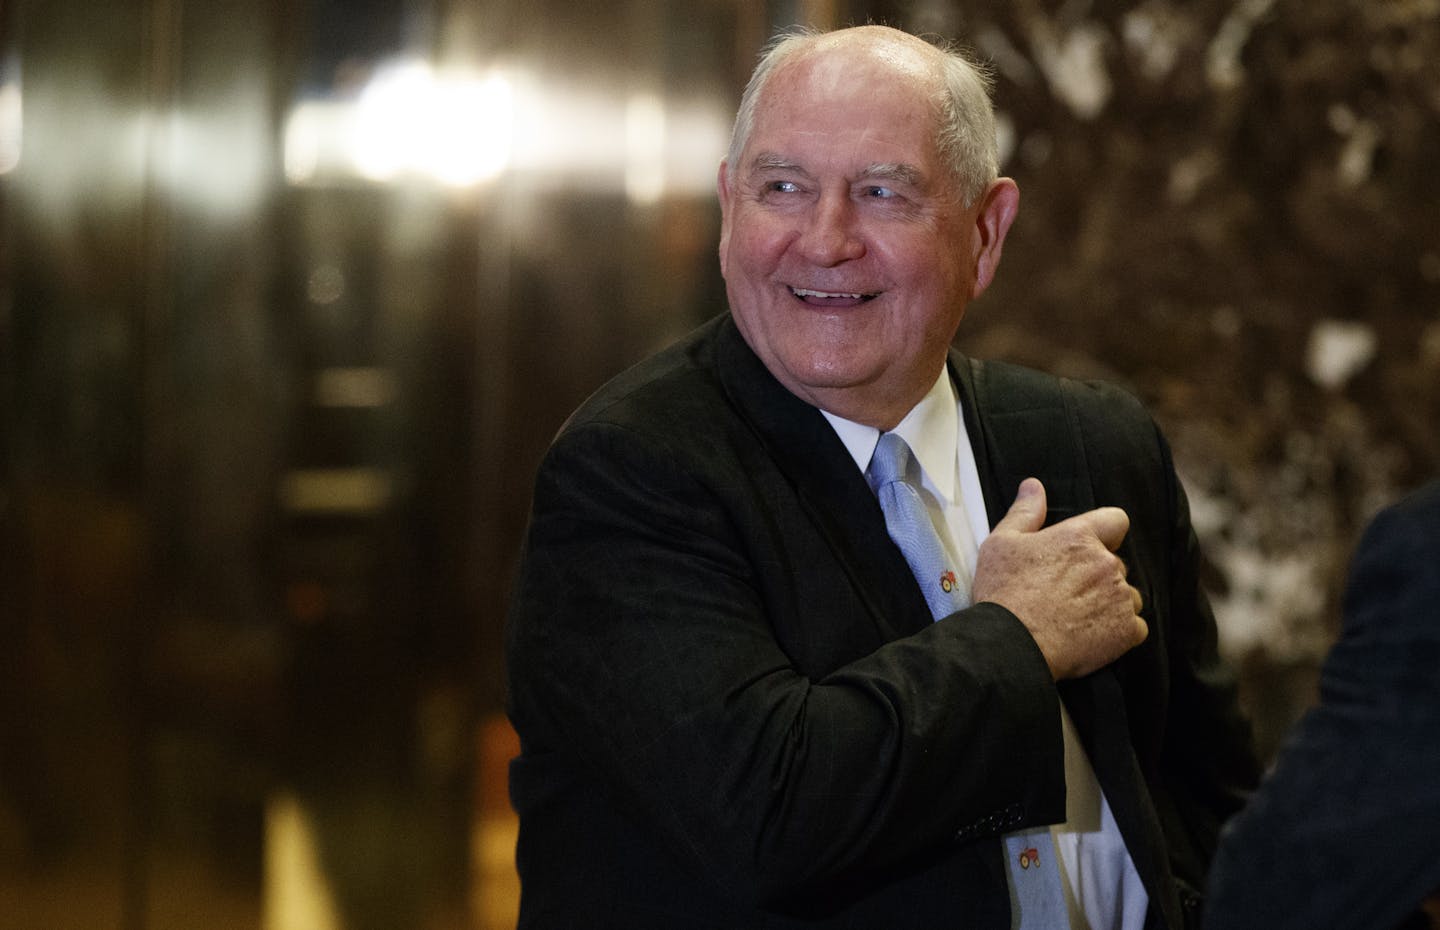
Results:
[965, 134]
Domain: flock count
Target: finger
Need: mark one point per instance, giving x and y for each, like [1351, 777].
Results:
[1137, 599]
[1109, 524]
[1027, 513]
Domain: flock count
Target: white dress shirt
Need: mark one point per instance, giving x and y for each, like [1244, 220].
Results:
[1103, 890]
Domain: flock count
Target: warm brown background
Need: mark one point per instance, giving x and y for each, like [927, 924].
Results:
[1230, 206]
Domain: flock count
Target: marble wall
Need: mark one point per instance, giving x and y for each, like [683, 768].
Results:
[1231, 206]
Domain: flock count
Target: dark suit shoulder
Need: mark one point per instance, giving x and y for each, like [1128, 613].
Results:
[1111, 429]
[675, 390]
[1010, 388]
[1415, 516]
[1395, 573]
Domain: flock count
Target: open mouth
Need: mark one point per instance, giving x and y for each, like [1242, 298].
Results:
[830, 298]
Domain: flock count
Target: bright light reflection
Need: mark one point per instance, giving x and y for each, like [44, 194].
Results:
[306, 130]
[11, 122]
[645, 144]
[297, 893]
[464, 128]
[213, 157]
[455, 129]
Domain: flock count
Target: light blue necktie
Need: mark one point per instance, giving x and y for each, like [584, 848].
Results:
[909, 524]
[1038, 902]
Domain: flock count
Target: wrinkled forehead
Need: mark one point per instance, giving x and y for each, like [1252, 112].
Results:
[878, 52]
[836, 70]
[886, 94]
[851, 69]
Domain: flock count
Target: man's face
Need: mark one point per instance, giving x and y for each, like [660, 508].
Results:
[848, 253]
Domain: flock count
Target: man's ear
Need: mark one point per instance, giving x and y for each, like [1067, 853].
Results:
[722, 190]
[993, 216]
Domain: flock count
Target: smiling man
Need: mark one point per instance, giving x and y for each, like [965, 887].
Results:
[850, 247]
[820, 623]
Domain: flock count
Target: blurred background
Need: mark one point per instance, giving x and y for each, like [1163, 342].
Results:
[293, 294]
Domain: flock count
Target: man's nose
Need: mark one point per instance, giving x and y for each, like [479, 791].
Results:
[830, 235]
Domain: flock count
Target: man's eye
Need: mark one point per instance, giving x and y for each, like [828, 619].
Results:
[879, 193]
[784, 187]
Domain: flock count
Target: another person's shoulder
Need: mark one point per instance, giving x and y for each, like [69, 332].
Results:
[1398, 552]
[1421, 505]
[1410, 523]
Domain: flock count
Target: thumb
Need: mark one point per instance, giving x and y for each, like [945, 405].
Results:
[1027, 514]
[1110, 525]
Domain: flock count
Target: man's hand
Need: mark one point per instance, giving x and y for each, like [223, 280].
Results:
[1064, 582]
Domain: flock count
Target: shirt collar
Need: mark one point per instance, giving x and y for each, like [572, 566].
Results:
[931, 429]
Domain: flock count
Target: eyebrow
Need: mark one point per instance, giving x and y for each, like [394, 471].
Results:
[901, 173]
[769, 161]
[895, 172]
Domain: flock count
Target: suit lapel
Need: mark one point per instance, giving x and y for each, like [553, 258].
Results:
[1023, 431]
[1020, 425]
[831, 490]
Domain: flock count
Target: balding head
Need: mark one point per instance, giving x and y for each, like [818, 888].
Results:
[959, 90]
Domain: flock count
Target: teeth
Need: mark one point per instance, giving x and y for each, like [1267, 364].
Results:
[805, 292]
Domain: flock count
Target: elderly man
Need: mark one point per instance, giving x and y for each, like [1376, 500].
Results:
[792, 643]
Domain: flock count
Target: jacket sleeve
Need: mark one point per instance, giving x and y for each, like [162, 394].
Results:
[1207, 751]
[640, 643]
[1342, 833]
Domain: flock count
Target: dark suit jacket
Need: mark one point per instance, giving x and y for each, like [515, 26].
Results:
[1345, 832]
[735, 711]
